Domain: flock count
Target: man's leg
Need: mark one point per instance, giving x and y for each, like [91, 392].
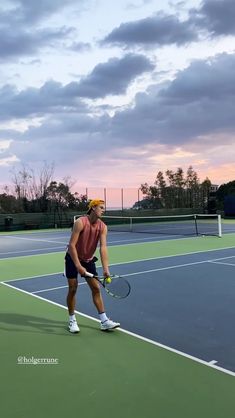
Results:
[106, 323]
[71, 297]
[96, 294]
[71, 303]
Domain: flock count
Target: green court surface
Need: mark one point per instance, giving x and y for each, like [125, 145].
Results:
[99, 374]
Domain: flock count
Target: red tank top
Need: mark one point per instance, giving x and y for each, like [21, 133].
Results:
[89, 238]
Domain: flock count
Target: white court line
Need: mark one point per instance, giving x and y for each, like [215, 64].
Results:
[144, 259]
[36, 239]
[136, 261]
[172, 350]
[124, 275]
[150, 238]
[224, 258]
[128, 274]
[224, 264]
[139, 272]
[47, 290]
[164, 268]
[54, 288]
[26, 251]
[57, 248]
[32, 277]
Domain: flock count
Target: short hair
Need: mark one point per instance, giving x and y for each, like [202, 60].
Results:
[94, 202]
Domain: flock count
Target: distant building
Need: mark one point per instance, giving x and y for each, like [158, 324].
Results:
[214, 188]
[211, 206]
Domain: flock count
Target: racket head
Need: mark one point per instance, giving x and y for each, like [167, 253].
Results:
[118, 287]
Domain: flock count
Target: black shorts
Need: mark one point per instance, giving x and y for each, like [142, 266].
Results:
[70, 268]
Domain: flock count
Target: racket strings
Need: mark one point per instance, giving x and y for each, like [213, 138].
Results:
[118, 287]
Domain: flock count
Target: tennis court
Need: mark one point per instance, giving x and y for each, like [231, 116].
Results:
[174, 355]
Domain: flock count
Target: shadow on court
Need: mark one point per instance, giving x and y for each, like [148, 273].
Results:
[28, 321]
[21, 323]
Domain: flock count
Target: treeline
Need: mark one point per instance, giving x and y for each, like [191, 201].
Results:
[176, 190]
[33, 193]
[40, 193]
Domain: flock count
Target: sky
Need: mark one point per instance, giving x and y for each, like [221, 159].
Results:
[111, 92]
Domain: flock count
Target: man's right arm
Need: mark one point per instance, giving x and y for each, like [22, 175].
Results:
[77, 229]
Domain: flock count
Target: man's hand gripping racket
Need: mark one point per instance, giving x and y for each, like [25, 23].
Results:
[115, 286]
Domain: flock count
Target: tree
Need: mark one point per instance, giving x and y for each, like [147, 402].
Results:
[160, 183]
[226, 189]
[38, 192]
[10, 204]
[152, 200]
[192, 186]
[62, 199]
[177, 191]
[205, 188]
[31, 188]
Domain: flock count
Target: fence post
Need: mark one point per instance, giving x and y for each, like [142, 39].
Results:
[105, 197]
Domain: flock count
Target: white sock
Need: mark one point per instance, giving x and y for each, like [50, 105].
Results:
[103, 316]
[72, 317]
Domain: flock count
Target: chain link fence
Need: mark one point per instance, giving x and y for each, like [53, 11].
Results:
[115, 198]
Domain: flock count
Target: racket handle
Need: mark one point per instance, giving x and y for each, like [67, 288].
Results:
[89, 274]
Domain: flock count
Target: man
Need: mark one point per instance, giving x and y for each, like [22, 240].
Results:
[88, 231]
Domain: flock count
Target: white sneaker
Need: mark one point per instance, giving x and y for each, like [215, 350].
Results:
[73, 327]
[108, 324]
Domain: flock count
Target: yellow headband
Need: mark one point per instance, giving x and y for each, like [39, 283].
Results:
[95, 202]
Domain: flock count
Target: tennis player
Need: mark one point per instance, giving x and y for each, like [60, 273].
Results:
[88, 231]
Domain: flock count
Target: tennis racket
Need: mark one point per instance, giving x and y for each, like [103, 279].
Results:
[115, 286]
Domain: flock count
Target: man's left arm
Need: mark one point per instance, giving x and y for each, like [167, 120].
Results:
[104, 252]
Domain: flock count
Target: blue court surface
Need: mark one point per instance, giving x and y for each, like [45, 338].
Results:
[20, 244]
[15, 245]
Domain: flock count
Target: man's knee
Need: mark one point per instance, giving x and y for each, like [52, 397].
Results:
[95, 290]
[72, 288]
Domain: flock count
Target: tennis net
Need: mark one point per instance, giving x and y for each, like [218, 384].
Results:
[192, 225]
[196, 224]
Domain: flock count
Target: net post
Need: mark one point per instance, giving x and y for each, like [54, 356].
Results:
[219, 226]
[195, 221]
[131, 228]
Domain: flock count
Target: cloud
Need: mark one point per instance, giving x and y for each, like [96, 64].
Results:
[194, 111]
[51, 98]
[18, 43]
[199, 101]
[25, 29]
[152, 31]
[30, 12]
[114, 76]
[216, 17]
[80, 46]
[110, 78]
